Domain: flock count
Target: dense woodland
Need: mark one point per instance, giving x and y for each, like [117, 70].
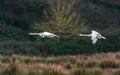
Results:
[66, 18]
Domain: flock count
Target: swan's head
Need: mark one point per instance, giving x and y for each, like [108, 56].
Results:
[103, 37]
[57, 36]
[99, 36]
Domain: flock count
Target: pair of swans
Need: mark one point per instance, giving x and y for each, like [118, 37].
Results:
[94, 35]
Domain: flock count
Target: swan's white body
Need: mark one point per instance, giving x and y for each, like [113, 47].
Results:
[94, 36]
[45, 34]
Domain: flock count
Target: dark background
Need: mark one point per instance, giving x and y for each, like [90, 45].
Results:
[17, 19]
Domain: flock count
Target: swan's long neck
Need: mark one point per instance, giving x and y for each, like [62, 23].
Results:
[34, 33]
[85, 35]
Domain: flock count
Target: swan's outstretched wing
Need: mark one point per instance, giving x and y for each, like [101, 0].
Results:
[94, 36]
[51, 35]
[94, 41]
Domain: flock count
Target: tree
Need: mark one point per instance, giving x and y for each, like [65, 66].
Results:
[61, 18]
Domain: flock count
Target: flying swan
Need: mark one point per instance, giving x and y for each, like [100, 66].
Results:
[45, 34]
[94, 36]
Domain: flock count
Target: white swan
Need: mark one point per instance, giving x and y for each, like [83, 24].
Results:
[45, 34]
[94, 36]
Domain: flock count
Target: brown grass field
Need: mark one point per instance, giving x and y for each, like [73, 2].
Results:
[96, 64]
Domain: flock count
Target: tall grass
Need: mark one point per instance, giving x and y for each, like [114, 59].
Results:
[97, 64]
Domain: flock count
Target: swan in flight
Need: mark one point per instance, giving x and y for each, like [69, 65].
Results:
[94, 36]
[45, 34]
